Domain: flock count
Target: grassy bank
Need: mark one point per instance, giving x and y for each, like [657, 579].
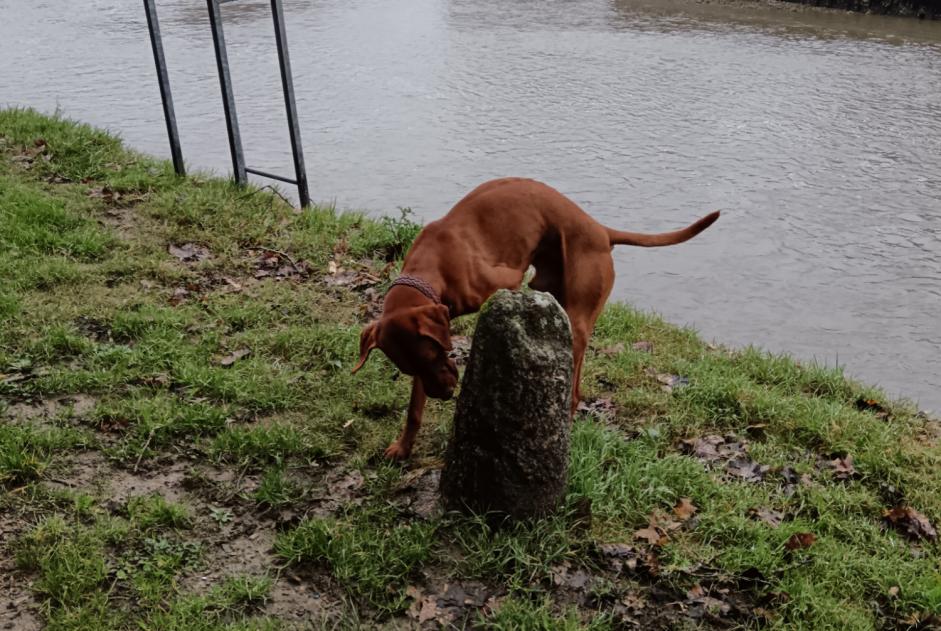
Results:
[182, 445]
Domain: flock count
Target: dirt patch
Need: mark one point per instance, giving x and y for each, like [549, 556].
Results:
[165, 480]
[417, 494]
[122, 220]
[242, 549]
[93, 473]
[18, 607]
[302, 602]
[74, 405]
[450, 604]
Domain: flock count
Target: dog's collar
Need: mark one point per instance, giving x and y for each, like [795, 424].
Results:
[418, 283]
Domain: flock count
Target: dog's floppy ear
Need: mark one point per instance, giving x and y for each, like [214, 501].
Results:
[434, 322]
[368, 340]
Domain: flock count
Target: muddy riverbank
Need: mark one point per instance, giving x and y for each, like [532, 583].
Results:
[921, 9]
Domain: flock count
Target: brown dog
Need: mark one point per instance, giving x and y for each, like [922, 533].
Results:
[486, 243]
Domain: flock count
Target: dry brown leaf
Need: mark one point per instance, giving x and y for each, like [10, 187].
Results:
[651, 535]
[746, 469]
[233, 357]
[800, 540]
[188, 252]
[179, 296]
[684, 509]
[643, 346]
[910, 523]
[601, 408]
[767, 515]
[611, 351]
[842, 468]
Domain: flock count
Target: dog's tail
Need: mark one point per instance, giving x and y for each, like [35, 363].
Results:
[619, 237]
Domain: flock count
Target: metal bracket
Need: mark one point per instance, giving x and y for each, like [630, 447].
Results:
[239, 170]
[163, 79]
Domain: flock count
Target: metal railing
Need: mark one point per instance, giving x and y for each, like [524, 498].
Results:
[239, 169]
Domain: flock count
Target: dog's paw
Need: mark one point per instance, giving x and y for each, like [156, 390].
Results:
[398, 451]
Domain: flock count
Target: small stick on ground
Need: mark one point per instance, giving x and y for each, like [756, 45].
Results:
[285, 256]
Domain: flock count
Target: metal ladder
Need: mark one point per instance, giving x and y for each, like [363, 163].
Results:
[240, 171]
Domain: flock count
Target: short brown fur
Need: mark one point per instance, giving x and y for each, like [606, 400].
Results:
[485, 243]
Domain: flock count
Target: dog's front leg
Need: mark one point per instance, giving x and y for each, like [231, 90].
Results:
[401, 449]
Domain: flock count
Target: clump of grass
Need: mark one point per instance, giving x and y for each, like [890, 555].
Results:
[153, 422]
[26, 451]
[69, 560]
[276, 489]
[267, 444]
[153, 512]
[368, 552]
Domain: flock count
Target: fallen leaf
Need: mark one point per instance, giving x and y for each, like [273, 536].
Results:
[790, 479]
[332, 267]
[179, 295]
[910, 523]
[643, 346]
[348, 423]
[564, 576]
[746, 469]
[613, 350]
[616, 550]
[600, 408]
[671, 382]
[842, 467]
[429, 609]
[233, 357]
[684, 509]
[651, 535]
[872, 405]
[634, 601]
[767, 515]
[714, 448]
[188, 252]
[893, 591]
[706, 448]
[800, 540]
[423, 608]
[460, 344]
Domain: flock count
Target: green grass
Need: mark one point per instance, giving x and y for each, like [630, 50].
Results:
[285, 442]
[371, 555]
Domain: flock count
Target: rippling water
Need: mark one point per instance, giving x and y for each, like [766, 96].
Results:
[817, 134]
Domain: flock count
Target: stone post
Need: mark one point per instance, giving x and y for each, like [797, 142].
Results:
[508, 451]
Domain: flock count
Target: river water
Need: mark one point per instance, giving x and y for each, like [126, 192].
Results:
[817, 134]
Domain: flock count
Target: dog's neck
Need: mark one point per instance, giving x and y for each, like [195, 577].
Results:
[403, 294]
[419, 284]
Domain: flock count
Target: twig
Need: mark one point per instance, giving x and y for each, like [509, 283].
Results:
[62, 482]
[270, 188]
[150, 435]
[283, 255]
[278, 193]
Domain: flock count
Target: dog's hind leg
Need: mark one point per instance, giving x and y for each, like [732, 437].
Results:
[587, 289]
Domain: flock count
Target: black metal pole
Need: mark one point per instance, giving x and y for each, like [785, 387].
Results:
[228, 98]
[163, 78]
[287, 83]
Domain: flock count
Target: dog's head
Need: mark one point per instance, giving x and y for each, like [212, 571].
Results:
[417, 340]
